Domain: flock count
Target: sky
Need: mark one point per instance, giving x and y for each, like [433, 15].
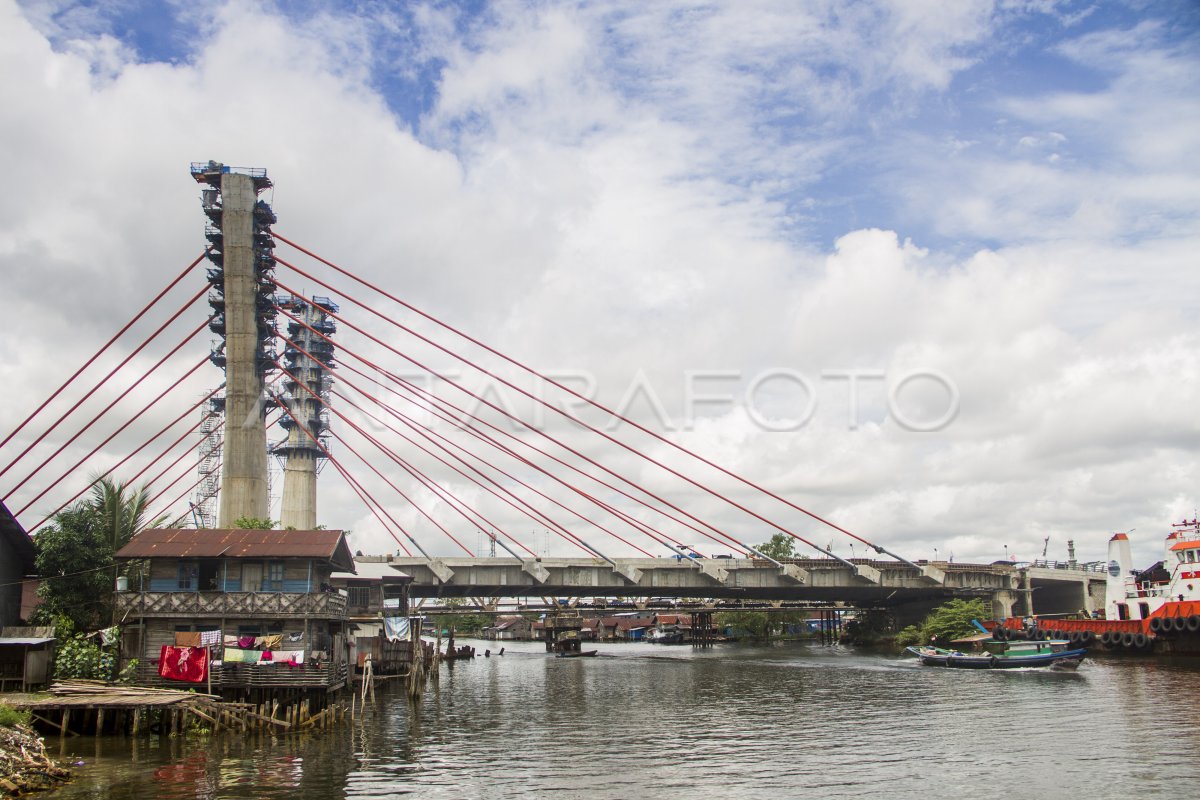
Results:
[926, 269]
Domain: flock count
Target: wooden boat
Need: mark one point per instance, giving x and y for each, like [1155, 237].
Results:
[577, 653]
[1004, 655]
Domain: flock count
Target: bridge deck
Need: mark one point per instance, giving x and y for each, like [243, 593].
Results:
[812, 580]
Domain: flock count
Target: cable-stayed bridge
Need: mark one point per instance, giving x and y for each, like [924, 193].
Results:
[436, 463]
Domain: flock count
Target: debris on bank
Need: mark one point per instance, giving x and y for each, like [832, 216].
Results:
[24, 765]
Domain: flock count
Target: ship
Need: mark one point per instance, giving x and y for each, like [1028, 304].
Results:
[1150, 610]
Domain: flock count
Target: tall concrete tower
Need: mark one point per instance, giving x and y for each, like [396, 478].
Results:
[305, 352]
[242, 299]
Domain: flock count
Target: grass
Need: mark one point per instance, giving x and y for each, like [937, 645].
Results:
[11, 717]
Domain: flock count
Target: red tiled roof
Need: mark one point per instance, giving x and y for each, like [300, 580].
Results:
[239, 543]
[626, 623]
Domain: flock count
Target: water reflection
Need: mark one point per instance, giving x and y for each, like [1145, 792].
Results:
[663, 722]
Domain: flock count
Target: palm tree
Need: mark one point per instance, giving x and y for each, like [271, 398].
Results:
[123, 509]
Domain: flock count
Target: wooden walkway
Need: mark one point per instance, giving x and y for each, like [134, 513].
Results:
[136, 709]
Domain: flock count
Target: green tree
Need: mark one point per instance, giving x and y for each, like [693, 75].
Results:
[254, 523]
[123, 509]
[780, 547]
[947, 622]
[75, 553]
[75, 562]
[757, 624]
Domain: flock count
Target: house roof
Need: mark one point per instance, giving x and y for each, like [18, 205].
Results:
[239, 543]
[631, 623]
[373, 571]
[11, 530]
[508, 623]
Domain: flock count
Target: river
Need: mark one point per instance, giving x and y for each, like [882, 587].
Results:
[737, 721]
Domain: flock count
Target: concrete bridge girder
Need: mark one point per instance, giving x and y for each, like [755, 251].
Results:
[875, 584]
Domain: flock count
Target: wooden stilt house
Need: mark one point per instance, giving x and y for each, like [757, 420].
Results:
[259, 605]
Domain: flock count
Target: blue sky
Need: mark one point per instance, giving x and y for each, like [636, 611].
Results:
[1027, 50]
[1004, 192]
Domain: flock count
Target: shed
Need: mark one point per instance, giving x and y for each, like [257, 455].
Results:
[25, 655]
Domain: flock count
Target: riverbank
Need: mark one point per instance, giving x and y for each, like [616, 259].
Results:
[24, 765]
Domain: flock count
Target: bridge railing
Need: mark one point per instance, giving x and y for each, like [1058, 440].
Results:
[1078, 566]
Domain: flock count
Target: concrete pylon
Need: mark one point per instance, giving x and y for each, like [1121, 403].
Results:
[244, 452]
[306, 351]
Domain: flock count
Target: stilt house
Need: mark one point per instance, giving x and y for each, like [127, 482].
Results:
[281, 623]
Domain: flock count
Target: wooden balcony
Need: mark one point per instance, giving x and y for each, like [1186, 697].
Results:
[255, 676]
[274, 605]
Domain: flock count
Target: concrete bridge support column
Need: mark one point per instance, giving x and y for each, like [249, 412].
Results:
[1027, 592]
[1004, 603]
[244, 460]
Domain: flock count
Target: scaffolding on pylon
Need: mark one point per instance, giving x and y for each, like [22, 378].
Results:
[209, 468]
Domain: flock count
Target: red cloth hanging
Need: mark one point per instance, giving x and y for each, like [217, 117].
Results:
[183, 663]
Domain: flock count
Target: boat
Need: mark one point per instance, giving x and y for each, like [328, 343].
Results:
[1152, 609]
[998, 654]
[577, 654]
[664, 637]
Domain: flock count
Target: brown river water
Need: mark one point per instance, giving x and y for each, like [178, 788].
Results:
[737, 721]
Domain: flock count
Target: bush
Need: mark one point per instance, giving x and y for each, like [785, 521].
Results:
[11, 717]
[79, 657]
[950, 621]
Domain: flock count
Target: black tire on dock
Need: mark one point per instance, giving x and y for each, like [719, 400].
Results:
[1193, 623]
[1087, 637]
[1179, 624]
[999, 633]
[1127, 640]
[1156, 624]
[1140, 640]
[1076, 637]
[1106, 638]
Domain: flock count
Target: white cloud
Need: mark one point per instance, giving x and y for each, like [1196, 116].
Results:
[590, 194]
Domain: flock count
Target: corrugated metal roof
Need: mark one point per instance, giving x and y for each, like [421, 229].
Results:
[373, 570]
[239, 543]
[23, 640]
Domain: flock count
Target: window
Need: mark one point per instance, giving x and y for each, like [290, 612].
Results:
[252, 576]
[359, 596]
[1122, 611]
[189, 575]
[1144, 608]
[274, 581]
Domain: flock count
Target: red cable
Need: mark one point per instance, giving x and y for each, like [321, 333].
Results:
[488, 440]
[112, 435]
[557, 410]
[184, 494]
[505, 413]
[363, 494]
[141, 447]
[572, 392]
[103, 380]
[525, 507]
[371, 466]
[100, 352]
[457, 505]
[109, 407]
[493, 466]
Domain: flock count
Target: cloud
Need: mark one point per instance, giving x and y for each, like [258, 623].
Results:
[593, 195]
